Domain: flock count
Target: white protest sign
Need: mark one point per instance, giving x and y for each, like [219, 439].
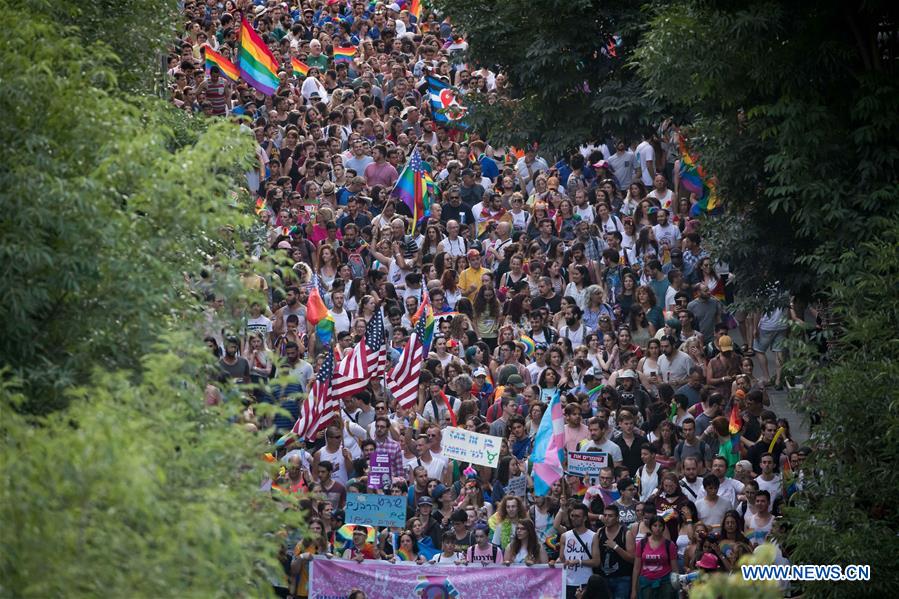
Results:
[466, 446]
[587, 463]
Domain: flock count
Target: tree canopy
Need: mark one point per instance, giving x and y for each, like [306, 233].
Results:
[117, 481]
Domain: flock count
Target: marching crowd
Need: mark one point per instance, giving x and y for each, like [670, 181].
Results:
[584, 277]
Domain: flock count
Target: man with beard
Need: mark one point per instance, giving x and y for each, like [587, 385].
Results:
[233, 366]
[574, 330]
[296, 305]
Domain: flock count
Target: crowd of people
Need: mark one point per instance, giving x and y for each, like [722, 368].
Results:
[584, 276]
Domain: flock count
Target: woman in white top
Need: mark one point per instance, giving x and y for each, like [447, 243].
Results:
[579, 285]
[311, 85]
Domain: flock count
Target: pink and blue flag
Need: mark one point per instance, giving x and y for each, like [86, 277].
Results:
[548, 446]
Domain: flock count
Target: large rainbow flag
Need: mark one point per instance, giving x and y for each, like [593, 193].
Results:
[214, 59]
[695, 180]
[257, 64]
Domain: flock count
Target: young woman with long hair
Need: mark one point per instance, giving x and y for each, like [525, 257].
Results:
[525, 547]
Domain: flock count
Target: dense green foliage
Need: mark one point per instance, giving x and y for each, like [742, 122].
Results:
[116, 481]
[796, 111]
[100, 216]
[564, 90]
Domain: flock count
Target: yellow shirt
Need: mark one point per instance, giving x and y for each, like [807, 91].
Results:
[469, 277]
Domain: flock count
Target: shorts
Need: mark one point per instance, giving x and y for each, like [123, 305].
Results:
[770, 340]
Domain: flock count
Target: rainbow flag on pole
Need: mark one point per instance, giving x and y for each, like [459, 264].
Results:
[257, 64]
[548, 444]
[344, 54]
[214, 59]
[415, 188]
[300, 68]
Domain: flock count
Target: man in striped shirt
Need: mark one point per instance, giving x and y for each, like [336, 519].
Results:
[385, 444]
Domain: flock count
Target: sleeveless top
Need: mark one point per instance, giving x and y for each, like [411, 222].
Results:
[612, 564]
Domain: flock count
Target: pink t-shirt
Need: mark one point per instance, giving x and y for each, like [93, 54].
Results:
[656, 562]
[491, 555]
[380, 174]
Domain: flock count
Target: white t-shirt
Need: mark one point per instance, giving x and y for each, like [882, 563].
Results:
[341, 321]
[572, 550]
[260, 324]
[729, 489]
[646, 154]
[586, 213]
[712, 514]
[668, 235]
[664, 199]
[773, 486]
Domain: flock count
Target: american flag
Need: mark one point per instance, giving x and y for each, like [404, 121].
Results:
[402, 381]
[321, 405]
[366, 361]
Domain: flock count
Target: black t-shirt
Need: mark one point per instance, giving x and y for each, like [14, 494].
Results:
[553, 304]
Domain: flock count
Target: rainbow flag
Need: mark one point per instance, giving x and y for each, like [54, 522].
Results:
[529, 344]
[257, 64]
[316, 310]
[343, 538]
[735, 422]
[404, 555]
[260, 205]
[324, 330]
[300, 68]
[415, 10]
[214, 59]
[694, 179]
[414, 188]
[548, 444]
[344, 54]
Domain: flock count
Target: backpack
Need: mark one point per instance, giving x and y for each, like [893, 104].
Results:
[355, 261]
[469, 555]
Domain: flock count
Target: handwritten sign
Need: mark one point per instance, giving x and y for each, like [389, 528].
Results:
[376, 510]
[466, 446]
[379, 470]
[587, 463]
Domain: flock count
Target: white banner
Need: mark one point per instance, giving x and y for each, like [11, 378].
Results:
[466, 446]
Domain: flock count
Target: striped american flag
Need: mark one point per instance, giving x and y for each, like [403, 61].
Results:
[402, 381]
[320, 405]
[364, 362]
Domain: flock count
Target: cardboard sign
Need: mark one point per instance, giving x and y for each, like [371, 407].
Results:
[379, 470]
[376, 510]
[587, 463]
[466, 446]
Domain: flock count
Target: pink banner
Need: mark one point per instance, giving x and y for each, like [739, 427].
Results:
[335, 578]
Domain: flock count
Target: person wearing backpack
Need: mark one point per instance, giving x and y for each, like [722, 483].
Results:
[574, 550]
[483, 551]
[655, 564]
[354, 252]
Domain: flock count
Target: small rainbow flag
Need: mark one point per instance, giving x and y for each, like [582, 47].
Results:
[735, 422]
[214, 59]
[344, 54]
[529, 344]
[300, 68]
[324, 330]
[695, 180]
[405, 555]
[257, 64]
[260, 205]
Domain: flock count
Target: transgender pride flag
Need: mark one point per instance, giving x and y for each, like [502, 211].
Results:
[548, 445]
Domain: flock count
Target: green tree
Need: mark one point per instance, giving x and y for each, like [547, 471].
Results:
[794, 108]
[104, 207]
[564, 91]
[116, 480]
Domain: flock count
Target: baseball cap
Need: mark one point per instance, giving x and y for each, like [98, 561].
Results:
[627, 374]
[425, 500]
[516, 381]
[480, 372]
[725, 343]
